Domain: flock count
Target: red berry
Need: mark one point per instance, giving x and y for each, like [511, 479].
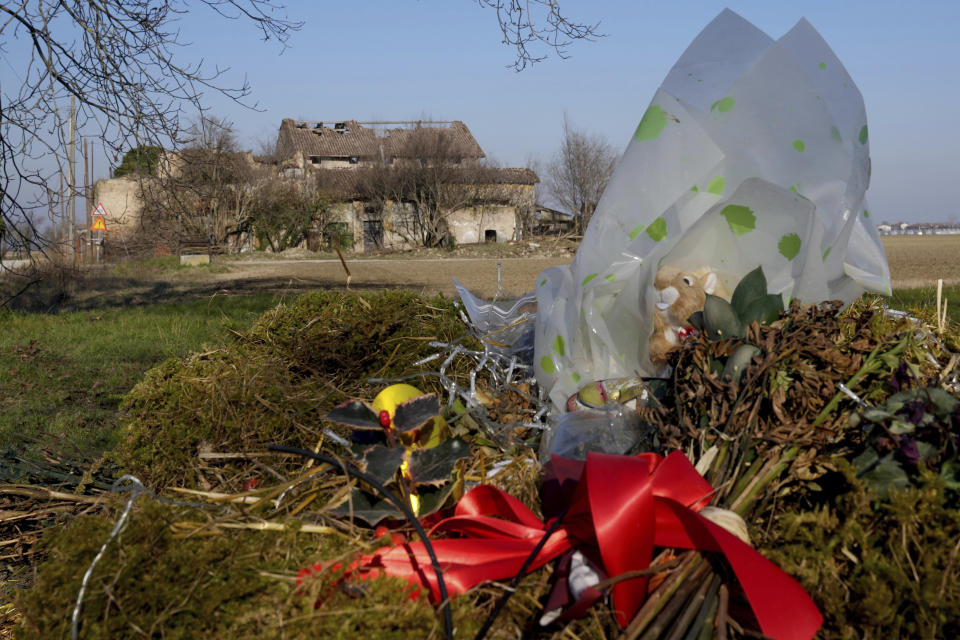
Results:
[398, 539]
[385, 419]
[251, 484]
[381, 531]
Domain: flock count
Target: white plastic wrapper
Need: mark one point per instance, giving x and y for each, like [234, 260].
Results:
[753, 152]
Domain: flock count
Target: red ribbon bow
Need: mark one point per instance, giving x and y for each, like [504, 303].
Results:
[623, 506]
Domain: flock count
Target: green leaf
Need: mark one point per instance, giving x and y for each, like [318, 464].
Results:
[751, 288]
[865, 461]
[876, 415]
[659, 387]
[898, 426]
[764, 310]
[383, 462]
[433, 466]
[737, 363]
[716, 367]
[950, 474]
[366, 508]
[925, 449]
[696, 320]
[433, 498]
[942, 402]
[415, 413]
[720, 320]
[356, 414]
[888, 474]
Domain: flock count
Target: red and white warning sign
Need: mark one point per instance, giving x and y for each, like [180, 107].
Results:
[99, 211]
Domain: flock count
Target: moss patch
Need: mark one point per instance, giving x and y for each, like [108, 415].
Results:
[875, 568]
[277, 380]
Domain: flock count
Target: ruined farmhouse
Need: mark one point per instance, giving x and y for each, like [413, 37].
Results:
[399, 182]
[382, 185]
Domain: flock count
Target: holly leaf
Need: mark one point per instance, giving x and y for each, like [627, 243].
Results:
[433, 498]
[433, 466]
[751, 288]
[383, 462]
[356, 414]
[365, 437]
[415, 413]
[366, 508]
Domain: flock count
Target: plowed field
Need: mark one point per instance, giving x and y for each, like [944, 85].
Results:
[918, 261]
[915, 261]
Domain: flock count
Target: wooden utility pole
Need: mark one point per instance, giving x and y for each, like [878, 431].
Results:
[71, 160]
[88, 218]
[63, 237]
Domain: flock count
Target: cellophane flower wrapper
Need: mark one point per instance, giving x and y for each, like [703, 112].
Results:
[753, 152]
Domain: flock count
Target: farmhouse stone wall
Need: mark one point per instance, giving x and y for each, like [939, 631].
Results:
[122, 199]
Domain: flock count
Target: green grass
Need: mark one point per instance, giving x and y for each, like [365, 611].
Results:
[62, 376]
[924, 302]
[164, 264]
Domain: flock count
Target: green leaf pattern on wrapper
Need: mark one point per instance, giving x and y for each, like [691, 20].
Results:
[740, 218]
[723, 105]
[657, 230]
[652, 124]
[559, 345]
[546, 363]
[789, 246]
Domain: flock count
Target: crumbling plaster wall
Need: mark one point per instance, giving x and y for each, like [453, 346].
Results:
[121, 198]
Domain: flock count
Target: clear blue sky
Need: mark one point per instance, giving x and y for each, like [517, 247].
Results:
[405, 59]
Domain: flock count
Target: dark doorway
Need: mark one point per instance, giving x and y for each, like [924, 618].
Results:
[490, 235]
[372, 235]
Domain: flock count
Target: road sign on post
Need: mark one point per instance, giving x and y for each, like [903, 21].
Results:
[98, 224]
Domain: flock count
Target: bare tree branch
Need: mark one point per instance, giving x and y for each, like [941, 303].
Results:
[530, 26]
[118, 59]
[579, 172]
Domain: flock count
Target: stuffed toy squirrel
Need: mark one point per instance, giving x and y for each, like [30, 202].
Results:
[680, 294]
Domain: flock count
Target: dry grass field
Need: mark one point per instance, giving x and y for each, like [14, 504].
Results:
[918, 261]
[915, 262]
